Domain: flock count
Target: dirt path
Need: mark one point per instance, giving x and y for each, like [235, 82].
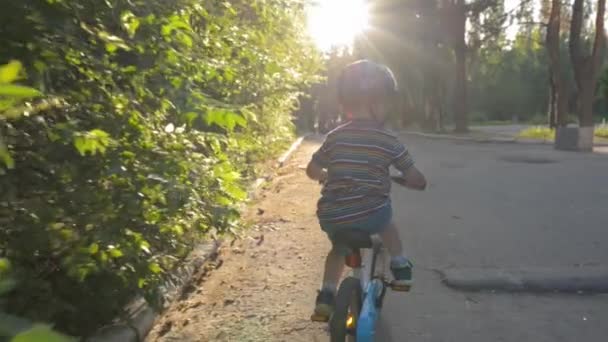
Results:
[265, 285]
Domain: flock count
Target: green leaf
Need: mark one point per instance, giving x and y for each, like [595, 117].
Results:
[145, 246]
[185, 40]
[235, 191]
[7, 285]
[225, 172]
[67, 234]
[18, 91]
[41, 333]
[130, 22]
[273, 68]
[93, 248]
[114, 252]
[92, 142]
[5, 156]
[175, 23]
[57, 225]
[130, 69]
[10, 72]
[249, 115]
[111, 47]
[176, 82]
[113, 42]
[190, 117]
[40, 66]
[229, 75]
[8, 103]
[155, 268]
[103, 256]
[223, 200]
[5, 266]
[225, 118]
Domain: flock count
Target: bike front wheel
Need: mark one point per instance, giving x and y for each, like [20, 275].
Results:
[343, 323]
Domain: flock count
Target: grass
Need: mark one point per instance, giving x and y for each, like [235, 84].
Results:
[538, 132]
[548, 134]
[602, 131]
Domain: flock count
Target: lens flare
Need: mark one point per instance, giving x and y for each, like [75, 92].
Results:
[337, 22]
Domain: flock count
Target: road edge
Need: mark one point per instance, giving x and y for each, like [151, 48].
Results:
[477, 140]
[486, 140]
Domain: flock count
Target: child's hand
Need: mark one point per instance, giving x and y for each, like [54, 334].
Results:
[323, 177]
[316, 172]
[399, 180]
[413, 180]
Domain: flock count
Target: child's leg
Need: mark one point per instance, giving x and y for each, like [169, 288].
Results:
[334, 266]
[400, 265]
[392, 241]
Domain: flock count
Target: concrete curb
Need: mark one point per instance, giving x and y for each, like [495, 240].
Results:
[589, 280]
[142, 315]
[291, 150]
[280, 163]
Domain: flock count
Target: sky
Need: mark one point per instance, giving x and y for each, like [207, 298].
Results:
[337, 22]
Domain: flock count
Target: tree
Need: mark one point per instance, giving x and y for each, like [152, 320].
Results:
[454, 20]
[586, 67]
[545, 13]
[510, 80]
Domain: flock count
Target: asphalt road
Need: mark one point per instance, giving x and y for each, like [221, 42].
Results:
[501, 208]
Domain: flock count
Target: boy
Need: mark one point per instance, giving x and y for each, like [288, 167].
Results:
[354, 162]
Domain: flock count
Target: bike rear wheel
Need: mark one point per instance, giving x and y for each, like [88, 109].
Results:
[343, 323]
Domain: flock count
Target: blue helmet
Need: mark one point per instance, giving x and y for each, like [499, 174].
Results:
[365, 81]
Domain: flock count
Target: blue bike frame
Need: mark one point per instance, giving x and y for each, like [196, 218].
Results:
[371, 276]
[366, 326]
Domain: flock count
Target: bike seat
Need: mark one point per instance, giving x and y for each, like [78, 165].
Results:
[354, 239]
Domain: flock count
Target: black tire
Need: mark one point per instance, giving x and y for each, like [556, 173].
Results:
[348, 300]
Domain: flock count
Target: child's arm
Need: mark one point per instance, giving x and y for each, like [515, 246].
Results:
[317, 167]
[412, 177]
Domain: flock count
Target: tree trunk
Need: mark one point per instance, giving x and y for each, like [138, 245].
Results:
[586, 68]
[552, 103]
[428, 38]
[585, 104]
[460, 52]
[557, 116]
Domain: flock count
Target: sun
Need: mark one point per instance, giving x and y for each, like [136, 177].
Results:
[337, 22]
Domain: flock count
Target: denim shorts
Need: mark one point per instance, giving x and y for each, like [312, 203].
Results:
[374, 223]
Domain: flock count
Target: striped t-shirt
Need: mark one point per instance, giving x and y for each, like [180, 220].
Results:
[357, 157]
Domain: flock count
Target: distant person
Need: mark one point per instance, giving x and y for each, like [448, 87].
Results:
[353, 163]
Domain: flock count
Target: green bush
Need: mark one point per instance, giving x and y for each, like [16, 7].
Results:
[159, 110]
